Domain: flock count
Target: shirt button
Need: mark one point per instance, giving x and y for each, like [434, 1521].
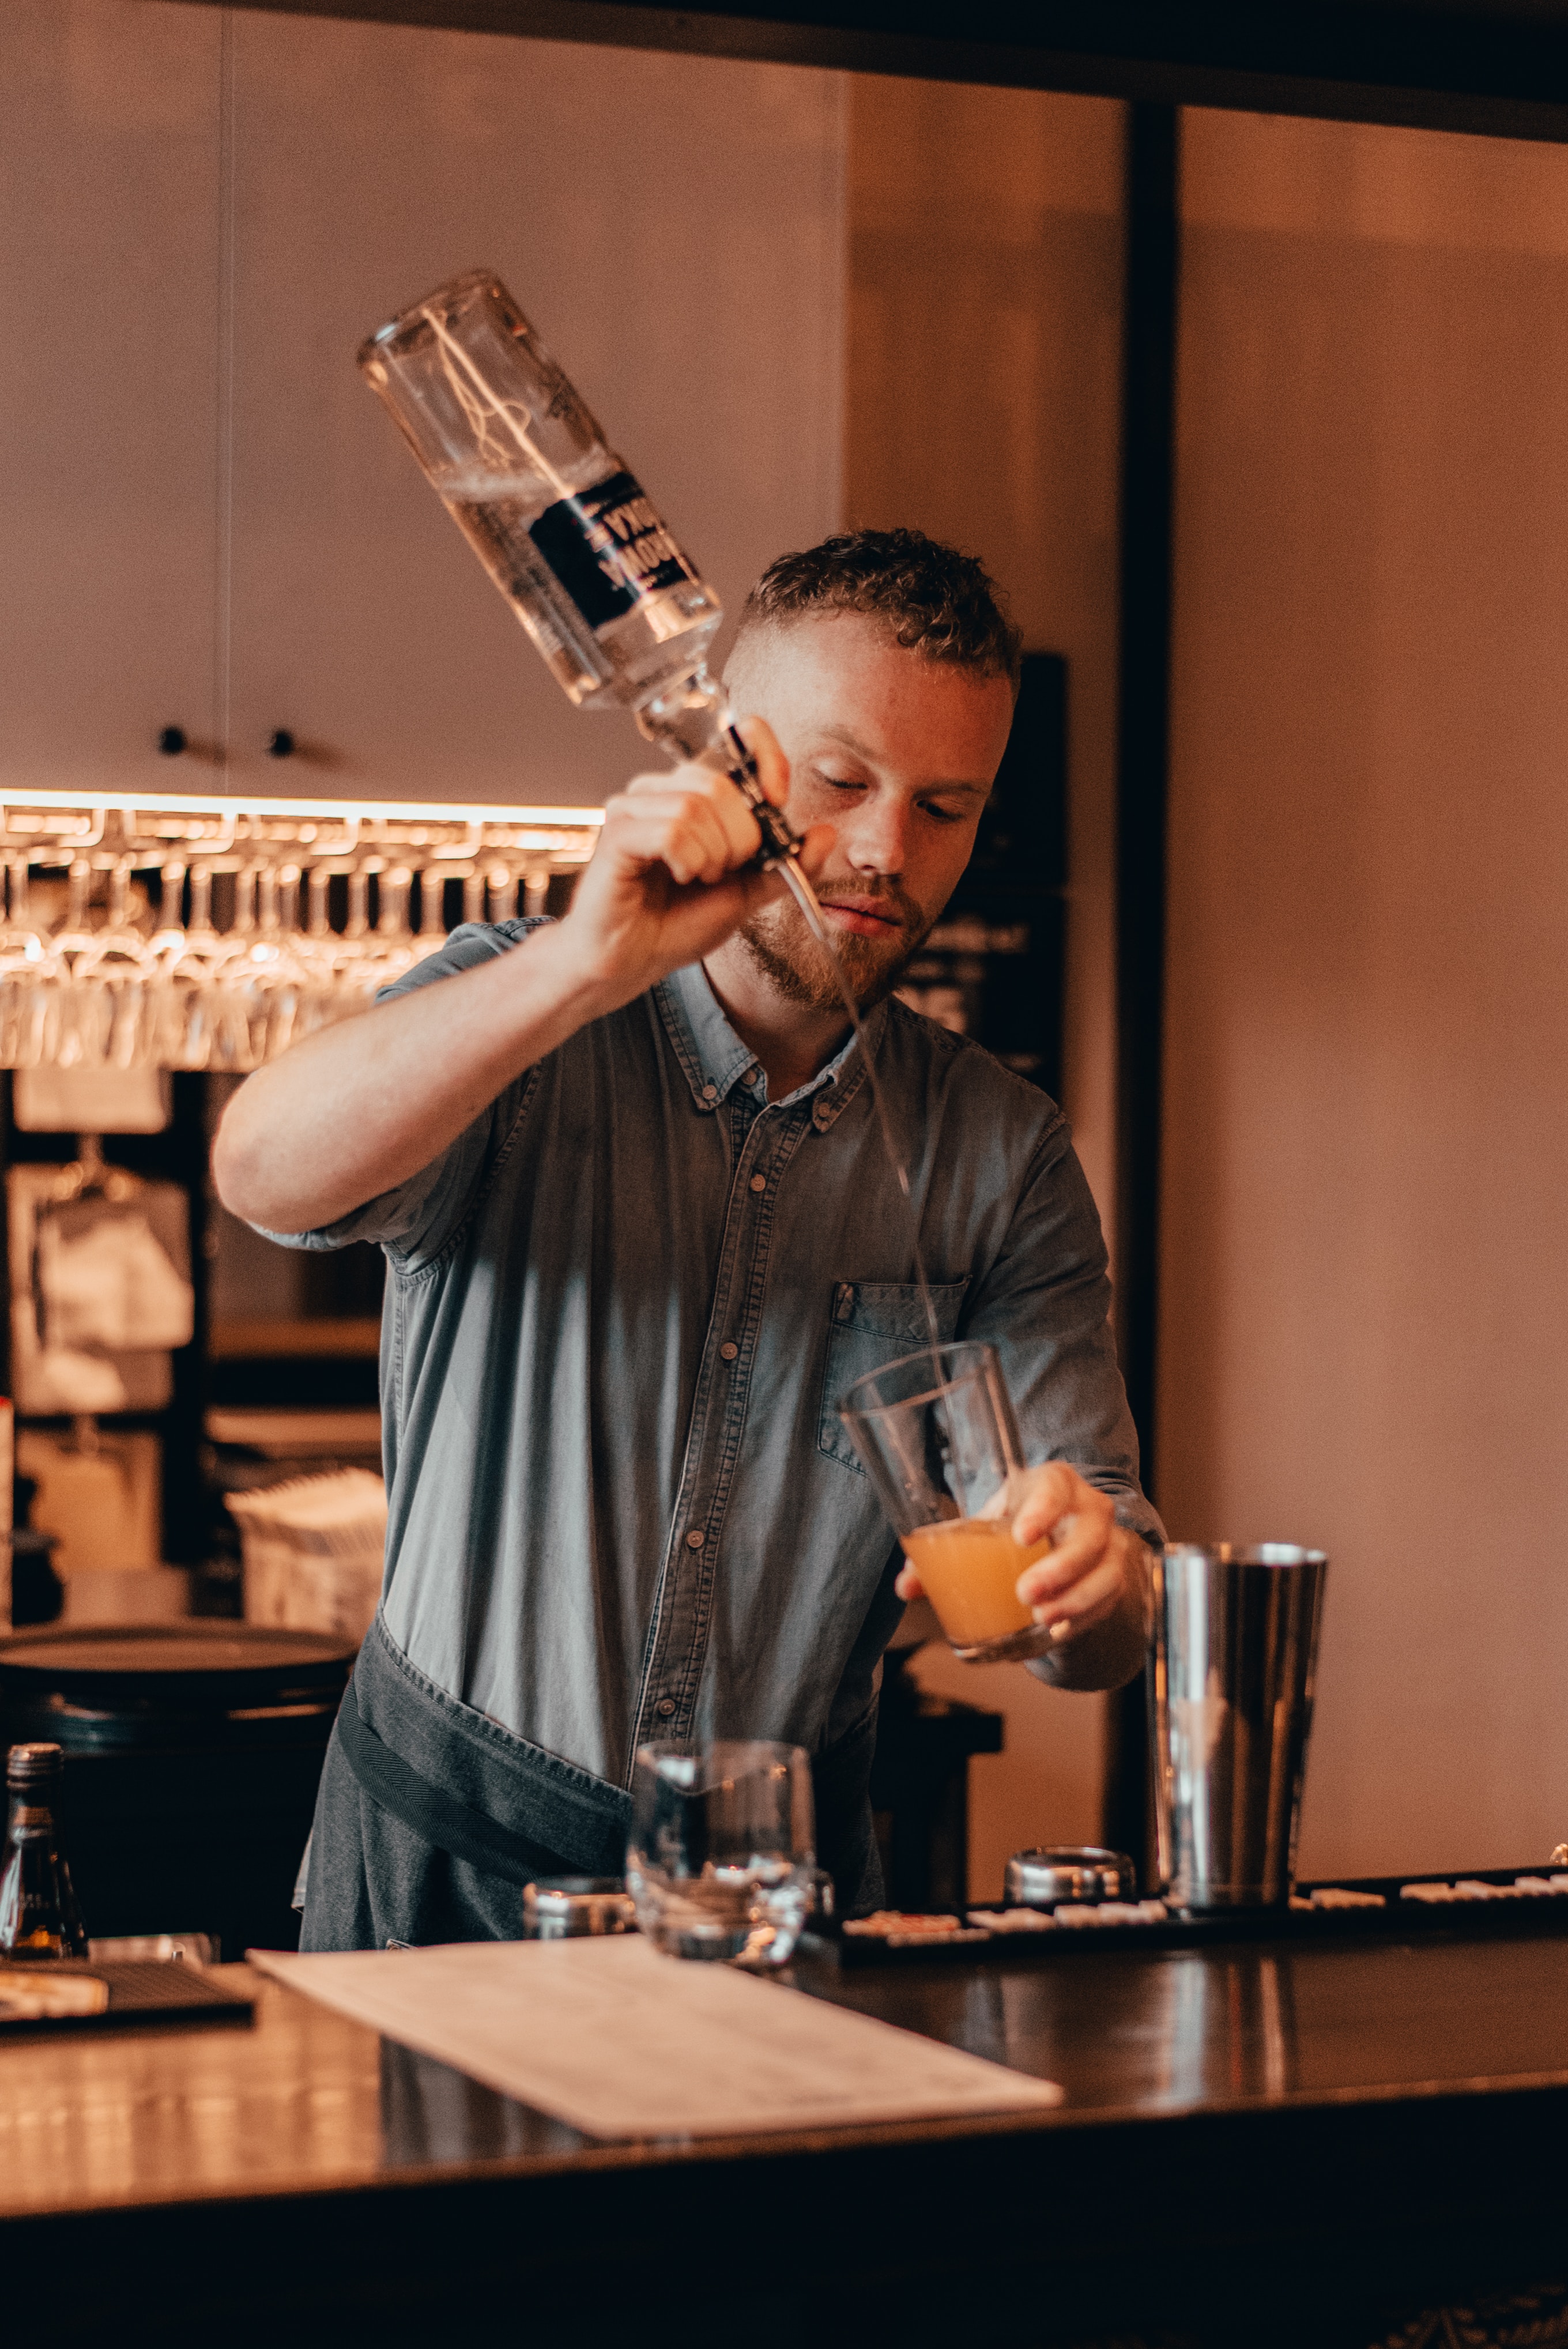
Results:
[695, 1541]
[666, 1706]
[759, 1181]
[752, 1075]
[710, 1093]
[728, 1351]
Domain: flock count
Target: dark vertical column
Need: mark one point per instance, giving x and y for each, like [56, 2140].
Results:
[187, 1502]
[1147, 483]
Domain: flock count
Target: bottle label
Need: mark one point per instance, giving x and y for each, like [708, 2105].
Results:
[609, 549]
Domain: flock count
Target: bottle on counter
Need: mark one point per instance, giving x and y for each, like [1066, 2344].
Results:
[38, 1913]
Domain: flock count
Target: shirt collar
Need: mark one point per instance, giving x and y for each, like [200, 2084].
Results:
[715, 1060]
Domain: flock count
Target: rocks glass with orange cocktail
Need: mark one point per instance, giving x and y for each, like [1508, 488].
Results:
[938, 1437]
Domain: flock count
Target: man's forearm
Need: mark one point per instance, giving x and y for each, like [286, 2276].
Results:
[358, 1108]
[1112, 1653]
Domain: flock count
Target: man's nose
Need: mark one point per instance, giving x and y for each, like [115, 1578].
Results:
[878, 837]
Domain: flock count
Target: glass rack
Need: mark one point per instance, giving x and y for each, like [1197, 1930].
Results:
[210, 933]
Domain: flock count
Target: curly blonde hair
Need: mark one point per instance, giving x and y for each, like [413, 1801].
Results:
[933, 600]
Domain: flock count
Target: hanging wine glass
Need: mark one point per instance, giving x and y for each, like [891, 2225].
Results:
[241, 980]
[263, 985]
[186, 989]
[82, 1037]
[110, 983]
[333, 958]
[281, 972]
[500, 891]
[391, 948]
[315, 951]
[429, 930]
[29, 996]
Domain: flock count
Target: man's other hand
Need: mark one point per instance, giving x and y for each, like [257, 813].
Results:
[1094, 1579]
[665, 884]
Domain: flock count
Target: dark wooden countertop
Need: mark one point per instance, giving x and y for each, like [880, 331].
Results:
[1342, 2131]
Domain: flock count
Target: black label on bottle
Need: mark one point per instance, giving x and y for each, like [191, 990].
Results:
[609, 549]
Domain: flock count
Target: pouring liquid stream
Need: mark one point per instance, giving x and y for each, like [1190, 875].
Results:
[807, 899]
[780, 854]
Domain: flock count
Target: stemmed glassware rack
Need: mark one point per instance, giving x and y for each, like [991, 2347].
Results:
[175, 933]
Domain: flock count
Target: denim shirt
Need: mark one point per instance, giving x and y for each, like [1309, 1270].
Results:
[621, 1307]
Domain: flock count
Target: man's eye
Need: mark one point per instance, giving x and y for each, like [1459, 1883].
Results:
[944, 814]
[839, 782]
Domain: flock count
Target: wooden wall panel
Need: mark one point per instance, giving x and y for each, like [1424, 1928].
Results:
[1365, 1279]
[984, 386]
[108, 432]
[207, 519]
[984, 357]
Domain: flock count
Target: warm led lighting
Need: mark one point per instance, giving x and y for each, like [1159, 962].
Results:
[340, 811]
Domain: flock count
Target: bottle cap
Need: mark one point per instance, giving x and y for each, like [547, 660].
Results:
[27, 1765]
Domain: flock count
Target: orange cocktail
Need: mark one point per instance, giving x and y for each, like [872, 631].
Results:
[970, 1568]
[935, 1432]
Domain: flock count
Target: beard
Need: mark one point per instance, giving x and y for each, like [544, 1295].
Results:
[784, 950]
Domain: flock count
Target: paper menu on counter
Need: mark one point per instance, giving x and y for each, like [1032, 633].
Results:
[621, 2042]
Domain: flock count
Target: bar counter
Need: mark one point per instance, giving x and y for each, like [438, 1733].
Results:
[1261, 2143]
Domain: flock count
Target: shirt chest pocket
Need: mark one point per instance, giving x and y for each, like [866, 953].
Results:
[871, 1323]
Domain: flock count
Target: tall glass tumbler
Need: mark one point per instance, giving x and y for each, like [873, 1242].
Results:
[721, 1859]
[940, 1445]
[1231, 1697]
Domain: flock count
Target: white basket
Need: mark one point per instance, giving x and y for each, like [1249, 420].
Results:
[314, 1550]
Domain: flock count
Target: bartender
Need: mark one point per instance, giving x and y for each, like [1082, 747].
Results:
[642, 1233]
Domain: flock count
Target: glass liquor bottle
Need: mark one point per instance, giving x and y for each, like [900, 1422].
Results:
[570, 537]
[38, 1913]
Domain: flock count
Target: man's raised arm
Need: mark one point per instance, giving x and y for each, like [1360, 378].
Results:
[358, 1109]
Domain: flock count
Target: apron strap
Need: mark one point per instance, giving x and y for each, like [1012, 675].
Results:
[442, 1819]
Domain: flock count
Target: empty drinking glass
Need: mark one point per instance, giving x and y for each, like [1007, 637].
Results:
[937, 1435]
[108, 984]
[721, 1860]
[29, 994]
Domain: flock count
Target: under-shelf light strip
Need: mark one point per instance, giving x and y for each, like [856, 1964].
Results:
[343, 812]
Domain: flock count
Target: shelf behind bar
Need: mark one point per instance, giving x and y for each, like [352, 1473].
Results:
[261, 1339]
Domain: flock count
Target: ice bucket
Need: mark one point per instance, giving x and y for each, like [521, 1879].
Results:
[1231, 1697]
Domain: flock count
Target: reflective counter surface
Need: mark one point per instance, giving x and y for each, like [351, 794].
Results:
[1408, 2105]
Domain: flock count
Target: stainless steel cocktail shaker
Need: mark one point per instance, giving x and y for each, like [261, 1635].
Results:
[1231, 1697]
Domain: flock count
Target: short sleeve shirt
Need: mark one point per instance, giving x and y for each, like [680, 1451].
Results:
[621, 1309]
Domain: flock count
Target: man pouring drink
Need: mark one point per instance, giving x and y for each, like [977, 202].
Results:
[643, 1236]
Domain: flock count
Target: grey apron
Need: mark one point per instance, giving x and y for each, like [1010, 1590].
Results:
[430, 1818]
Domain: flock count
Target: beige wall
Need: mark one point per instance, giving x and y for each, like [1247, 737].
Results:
[1365, 1315]
[109, 264]
[207, 519]
[983, 365]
